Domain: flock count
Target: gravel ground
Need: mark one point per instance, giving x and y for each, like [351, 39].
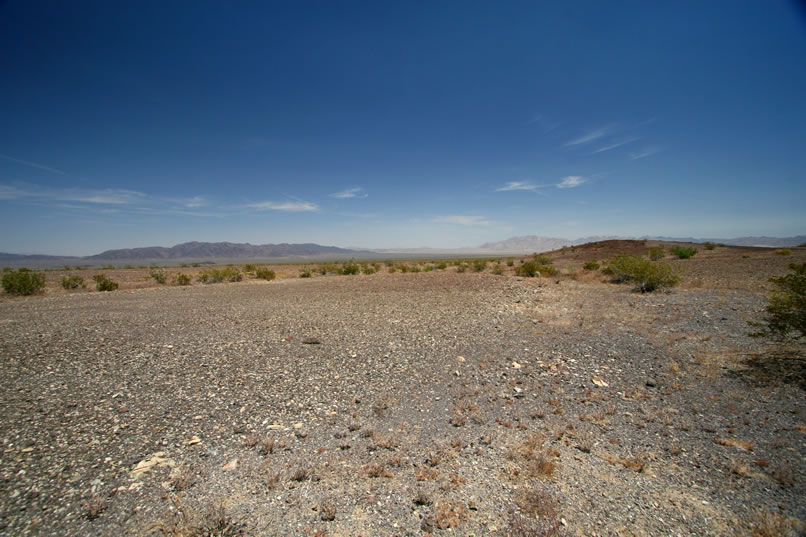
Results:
[396, 404]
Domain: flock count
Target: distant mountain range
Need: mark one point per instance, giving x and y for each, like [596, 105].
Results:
[200, 251]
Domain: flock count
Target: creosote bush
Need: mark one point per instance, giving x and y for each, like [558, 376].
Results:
[647, 276]
[102, 283]
[306, 272]
[182, 279]
[709, 245]
[228, 274]
[542, 259]
[159, 275]
[591, 265]
[350, 269]
[530, 269]
[786, 311]
[684, 253]
[783, 251]
[73, 282]
[655, 253]
[264, 273]
[479, 265]
[23, 282]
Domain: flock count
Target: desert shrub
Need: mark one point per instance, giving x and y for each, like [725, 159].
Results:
[479, 265]
[415, 268]
[498, 269]
[350, 269]
[783, 251]
[442, 265]
[461, 267]
[655, 253]
[265, 273]
[23, 282]
[392, 269]
[428, 268]
[684, 253]
[786, 311]
[228, 274]
[249, 267]
[367, 269]
[709, 245]
[73, 282]
[591, 265]
[159, 275]
[647, 276]
[102, 283]
[510, 262]
[530, 269]
[305, 272]
[182, 279]
[542, 259]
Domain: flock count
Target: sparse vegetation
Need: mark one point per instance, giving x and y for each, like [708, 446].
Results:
[182, 279]
[264, 273]
[684, 252]
[73, 282]
[655, 253]
[350, 269]
[23, 282]
[647, 276]
[709, 245]
[213, 275]
[783, 251]
[158, 275]
[305, 272]
[479, 265]
[591, 265]
[102, 283]
[786, 311]
[530, 269]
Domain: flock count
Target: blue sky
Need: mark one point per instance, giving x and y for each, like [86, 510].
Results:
[397, 124]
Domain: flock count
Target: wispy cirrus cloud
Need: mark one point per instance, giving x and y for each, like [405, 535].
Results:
[194, 202]
[462, 220]
[590, 136]
[106, 196]
[646, 152]
[289, 206]
[614, 145]
[572, 181]
[519, 185]
[350, 193]
[33, 164]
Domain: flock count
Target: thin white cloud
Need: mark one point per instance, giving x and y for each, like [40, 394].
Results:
[194, 202]
[519, 185]
[350, 193]
[107, 196]
[462, 220]
[647, 152]
[289, 206]
[590, 136]
[571, 181]
[33, 164]
[614, 145]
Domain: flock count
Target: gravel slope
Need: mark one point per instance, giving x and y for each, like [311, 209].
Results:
[395, 404]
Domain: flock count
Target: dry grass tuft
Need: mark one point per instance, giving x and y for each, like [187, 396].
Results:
[747, 446]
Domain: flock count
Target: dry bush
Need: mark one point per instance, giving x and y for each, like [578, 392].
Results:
[182, 477]
[448, 514]
[775, 525]
[185, 522]
[327, 510]
[94, 506]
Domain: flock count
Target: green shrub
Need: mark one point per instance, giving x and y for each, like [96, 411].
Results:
[305, 272]
[783, 251]
[461, 267]
[684, 253]
[73, 282]
[23, 282]
[415, 268]
[102, 283]
[786, 311]
[249, 267]
[428, 268]
[530, 269]
[510, 263]
[498, 269]
[709, 245]
[228, 274]
[442, 265]
[542, 259]
[367, 269]
[392, 269]
[647, 276]
[591, 265]
[265, 273]
[350, 269]
[479, 265]
[159, 275]
[655, 253]
[182, 279]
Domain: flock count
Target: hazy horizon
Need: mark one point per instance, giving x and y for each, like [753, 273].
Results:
[398, 125]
